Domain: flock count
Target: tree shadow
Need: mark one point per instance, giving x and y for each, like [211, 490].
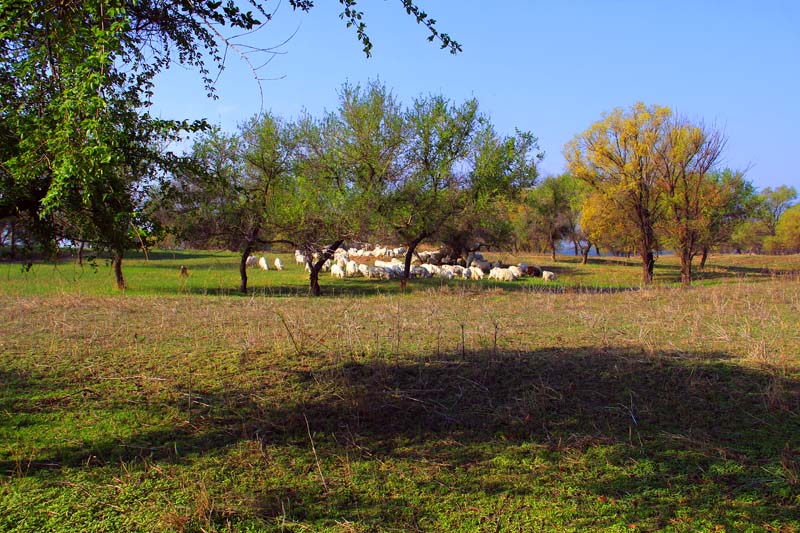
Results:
[685, 414]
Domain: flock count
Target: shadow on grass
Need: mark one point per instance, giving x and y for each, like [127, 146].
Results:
[688, 416]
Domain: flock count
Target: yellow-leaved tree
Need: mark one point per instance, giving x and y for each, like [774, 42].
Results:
[691, 197]
[618, 157]
[652, 167]
[606, 226]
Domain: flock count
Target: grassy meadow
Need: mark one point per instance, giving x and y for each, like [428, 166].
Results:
[588, 404]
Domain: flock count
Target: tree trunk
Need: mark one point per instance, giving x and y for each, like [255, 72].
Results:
[13, 242]
[585, 254]
[648, 262]
[315, 268]
[552, 243]
[243, 268]
[704, 257]
[597, 249]
[575, 245]
[412, 246]
[80, 253]
[686, 268]
[116, 262]
[313, 280]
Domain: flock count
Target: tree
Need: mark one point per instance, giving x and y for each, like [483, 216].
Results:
[618, 156]
[775, 203]
[77, 78]
[500, 170]
[787, 230]
[607, 226]
[228, 197]
[550, 202]
[686, 155]
[734, 201]
[344, 163]
[429, 192]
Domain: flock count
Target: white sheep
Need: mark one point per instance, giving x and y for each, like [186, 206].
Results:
[373, 272]
[337, 271]
[501, 274]
[548, 276]
[278, 264]
[251, 261]
[419, 272]
[476, 272]
[516, 271]
[299, 258]
[262, 263]
[351, 269]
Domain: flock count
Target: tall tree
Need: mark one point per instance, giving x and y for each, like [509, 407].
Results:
[429, 192]
[550, 202]
[228, 197]
[734, 200]
[345, 160]
[787, 231]
[500, 170]
[686, 156]
[775, 203]
[618, 156]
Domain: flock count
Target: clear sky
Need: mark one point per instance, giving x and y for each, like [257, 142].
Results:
[551, 67]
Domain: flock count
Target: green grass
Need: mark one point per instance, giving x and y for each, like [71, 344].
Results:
[217, 273]
[462, 407]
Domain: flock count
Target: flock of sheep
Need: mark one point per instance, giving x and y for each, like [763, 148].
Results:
[426, 264]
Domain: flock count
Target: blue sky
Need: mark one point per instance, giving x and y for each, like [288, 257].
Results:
[550, 67]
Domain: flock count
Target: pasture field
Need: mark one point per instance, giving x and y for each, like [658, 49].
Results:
[585, 405]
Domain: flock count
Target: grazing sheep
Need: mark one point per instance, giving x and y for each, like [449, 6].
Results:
[432, 269]
[299, 258]
[278, 264]
[458, 270]
[476, 272]
[262, 263]
[251, 261]
[184, 271]
[548, 276]
[419, 272]
[501, 274]
[533, 271]
[351, 269]
[337, 271]
[523, 267]
[516, 271]
[373, 272]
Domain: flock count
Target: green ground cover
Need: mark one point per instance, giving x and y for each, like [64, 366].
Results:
[182, 406]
